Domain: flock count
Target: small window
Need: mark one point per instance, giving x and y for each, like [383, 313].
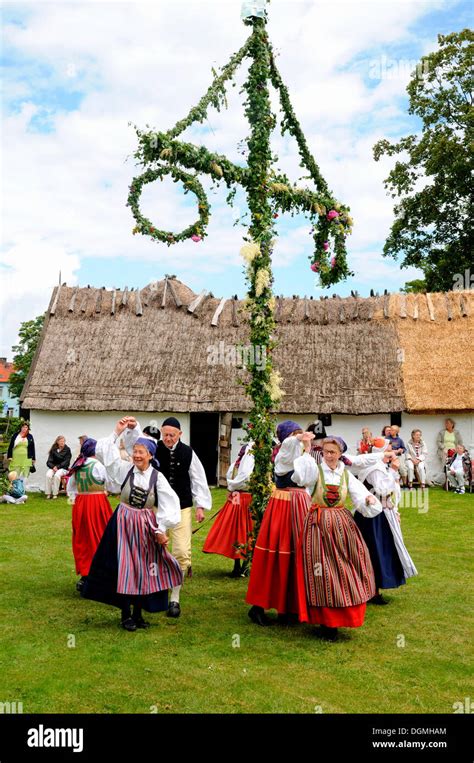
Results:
[396, 419]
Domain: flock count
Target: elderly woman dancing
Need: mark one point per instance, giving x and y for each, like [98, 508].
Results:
[334, 571]
[132, 564]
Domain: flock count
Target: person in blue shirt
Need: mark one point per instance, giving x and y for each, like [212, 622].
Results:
[398, 447]
[16, 492]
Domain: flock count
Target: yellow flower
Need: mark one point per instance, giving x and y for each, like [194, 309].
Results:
[273, 386]
[166, 153]
[262, 281]
[250, 251]
[272, 303]
[279, 187]
[217, 169]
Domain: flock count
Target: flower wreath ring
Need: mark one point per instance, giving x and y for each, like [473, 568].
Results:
[191, 183]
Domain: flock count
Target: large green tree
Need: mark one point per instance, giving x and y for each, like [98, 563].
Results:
[433, 177]
[23, 353]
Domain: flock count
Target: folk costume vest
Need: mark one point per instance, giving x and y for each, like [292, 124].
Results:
[175, 464]
[137, 497]
[85, 480]
[330, 496]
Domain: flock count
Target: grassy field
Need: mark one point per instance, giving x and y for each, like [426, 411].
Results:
[60, 653]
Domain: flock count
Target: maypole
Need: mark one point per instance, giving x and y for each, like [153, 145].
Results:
[269, 193]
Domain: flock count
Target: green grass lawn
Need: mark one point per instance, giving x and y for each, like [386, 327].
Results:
[410, 656]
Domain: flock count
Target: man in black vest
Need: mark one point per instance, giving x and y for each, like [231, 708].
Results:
[185, 473]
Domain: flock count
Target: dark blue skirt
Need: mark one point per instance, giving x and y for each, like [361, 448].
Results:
[101, 582]
[383, 554]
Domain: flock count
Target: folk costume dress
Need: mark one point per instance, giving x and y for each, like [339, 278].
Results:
[334, 571]
[234, 524]
[129, 566]
[90, 513]
[382, 534]
[272, 583]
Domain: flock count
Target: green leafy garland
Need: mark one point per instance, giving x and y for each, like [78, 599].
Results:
[269, 193]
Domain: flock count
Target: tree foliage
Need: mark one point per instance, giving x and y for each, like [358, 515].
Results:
[432, 228]
[23, 353]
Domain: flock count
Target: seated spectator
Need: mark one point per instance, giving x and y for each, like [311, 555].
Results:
[16, 492]
[416, 453]
[386, 431]
[59, 458]
[398, 447]
[459, 469]
[365, 445]
[447, 441]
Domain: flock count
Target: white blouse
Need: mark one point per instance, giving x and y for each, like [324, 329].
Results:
[245, 469]
[168, 511]
[199, 487]
[307, 473]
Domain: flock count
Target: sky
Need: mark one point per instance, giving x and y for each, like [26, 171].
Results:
[78, 75]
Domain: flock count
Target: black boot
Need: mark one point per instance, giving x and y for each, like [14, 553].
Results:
[138, 619]
[80, 584]
[127, 622]
[237, 568]
[258, 616]
[378, 599]
[329, 634]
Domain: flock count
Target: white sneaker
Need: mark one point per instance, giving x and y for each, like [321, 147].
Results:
[462, 489]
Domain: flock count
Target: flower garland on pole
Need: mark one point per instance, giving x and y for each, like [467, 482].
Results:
[269, 194]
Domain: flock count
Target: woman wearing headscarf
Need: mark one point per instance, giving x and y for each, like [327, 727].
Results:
[334, 573]
[91, 509]
[230, 533]
[132, 565]
[272, 583]
[382, 534]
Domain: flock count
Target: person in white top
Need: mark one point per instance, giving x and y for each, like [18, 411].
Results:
[390, 559]
[415, 457]
[132, 564]
[335, 578]
[230, 533]
[459, 469]
[181, 466]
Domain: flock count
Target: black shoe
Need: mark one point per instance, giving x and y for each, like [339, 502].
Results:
[378, 599]
[329, 634]
[174, 610]
[258, 616]
[237, 569]
[140, 622]
[80, 584]
[129, 624]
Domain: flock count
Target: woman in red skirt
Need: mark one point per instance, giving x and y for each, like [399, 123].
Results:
[230, 532]
[272, 583]
[91, 510]
[334, 571]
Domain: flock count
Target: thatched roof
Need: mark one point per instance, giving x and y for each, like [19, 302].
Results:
[147, 350]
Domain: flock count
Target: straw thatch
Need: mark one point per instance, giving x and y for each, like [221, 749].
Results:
[148, 350]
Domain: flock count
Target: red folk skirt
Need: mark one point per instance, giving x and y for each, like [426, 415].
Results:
[331, 538]
[272, 583]
[90, 515]
[232, 527]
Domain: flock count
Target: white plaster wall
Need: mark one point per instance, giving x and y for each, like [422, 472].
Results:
[47, 425]
[349, 428]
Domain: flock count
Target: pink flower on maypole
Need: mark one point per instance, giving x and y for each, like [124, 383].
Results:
[332, 214]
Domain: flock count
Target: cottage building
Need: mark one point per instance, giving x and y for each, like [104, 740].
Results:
[165, 350]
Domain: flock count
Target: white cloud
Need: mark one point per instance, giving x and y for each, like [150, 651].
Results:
[65, 190]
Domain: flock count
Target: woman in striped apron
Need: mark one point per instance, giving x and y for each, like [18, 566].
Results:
[334, 571]
[132, 565]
